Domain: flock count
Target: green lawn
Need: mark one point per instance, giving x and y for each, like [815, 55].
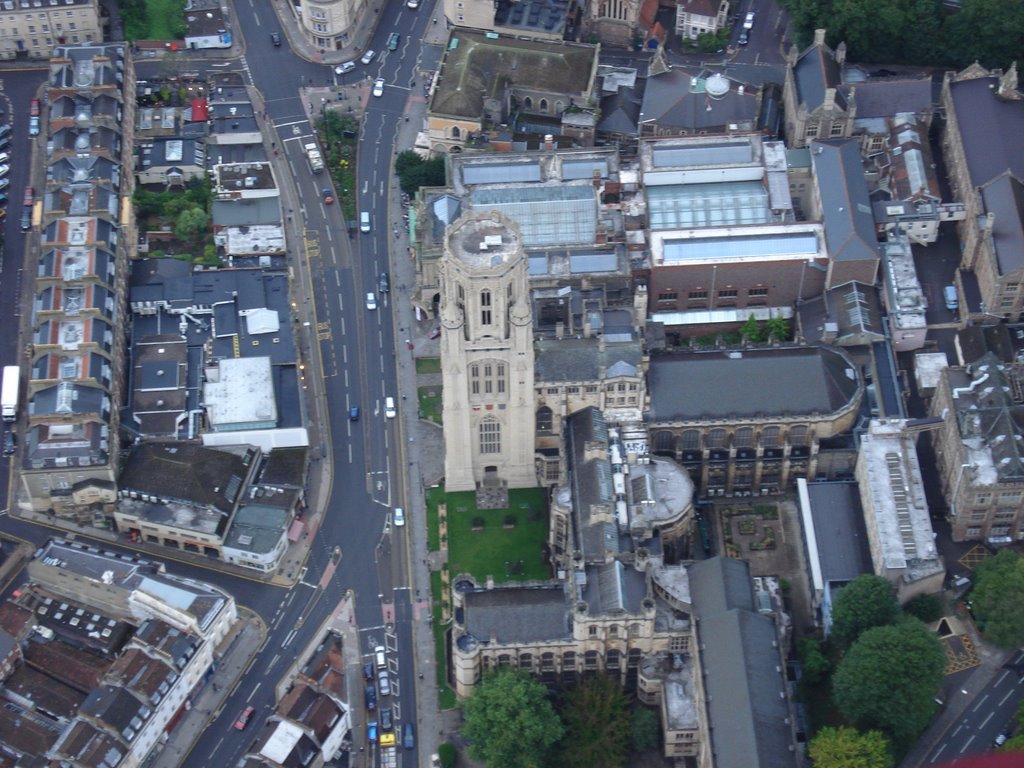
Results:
[153, 19]
[428, 365]
[430, 403]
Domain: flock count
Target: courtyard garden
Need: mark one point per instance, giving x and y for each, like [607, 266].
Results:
[751, 528]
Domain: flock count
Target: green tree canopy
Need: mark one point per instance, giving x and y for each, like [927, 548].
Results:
[191, 224]
[849, 748]
[645, 730]
[814, 664]
[597, 725]
[988, 31]
[867, 601]
[998, 597]
[509, 721]
[415, 172]
[888, 680]
[751, 330]
[927, 608]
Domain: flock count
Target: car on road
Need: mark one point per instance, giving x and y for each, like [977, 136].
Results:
[1000, 740]
[29, 196]
[243, 719]
[353, 415]
[368, 56]
[387, 720]
[26, 220]
[378, 87]
[10, 443]
[748, 20]
[5, 142]
[371, 730]
[371, 300]
[399, 517]
[4, 170]
[33, 126]
[5, 130]
[393, 41]
[275, 38]
[364, 221]
[409, 736]
[328, 196]
[4, 183]
[33, 109]
[383, 284]
[3, 197]
[744, 37]
[412, 5]
[368, 666]
[371, 697]
[384, 682]
[344, 68]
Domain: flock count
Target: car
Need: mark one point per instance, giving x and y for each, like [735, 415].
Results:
[384, 682]
[4, 183]
[412, 5]
[368, 673]
[29, 196]
[368, 56]
[275, 38]
[10, 443]
[353, 415]
[371, 300]
[371, 730]
[398, 517]
[748, 20]
[393, 41]
[409, 736]
[5, 130]
[371, 697]
[387, 720]
[383, 284]
[243, 719]
[1000, 740]
[744, 38]
[33, 126]
[364, 221]
[33, 108]
[378, 87]
[345, 68]
[951, 297]
[3, 197]
[328, 196]
[26, 220]
[5, 142]
[4, 170]
[380, 657]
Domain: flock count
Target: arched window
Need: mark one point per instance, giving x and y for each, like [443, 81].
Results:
[543, 105]
[770, 437]
[544, 419]
[485, 307]
[663, 441]
[490, 436]
[456, 133]
[715, 438]
[612, 658]
[690, 441]
[525, 660]
[743, 437]
[504, 660]
[798, 435]
[528, 103]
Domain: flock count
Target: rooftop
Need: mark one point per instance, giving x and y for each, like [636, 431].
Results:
[845, 204]
[484, 241]
[585, 359]
[991, 128]
[906, 300]
[698, 101]
[239, 392]
[517, 614]
[837, 530]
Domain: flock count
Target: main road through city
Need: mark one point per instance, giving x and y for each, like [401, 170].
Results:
[355, 549]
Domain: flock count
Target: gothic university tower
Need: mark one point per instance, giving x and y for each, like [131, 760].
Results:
[486, 355]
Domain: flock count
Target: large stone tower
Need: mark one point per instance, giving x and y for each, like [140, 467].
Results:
[486, 356]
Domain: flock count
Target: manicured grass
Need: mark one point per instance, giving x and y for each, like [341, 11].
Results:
[154, 19]
[430, 403]
[506, 554]
[428, 365]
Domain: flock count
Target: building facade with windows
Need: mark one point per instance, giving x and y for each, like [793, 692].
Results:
[33, 28]
[329, 24]
[700, 17]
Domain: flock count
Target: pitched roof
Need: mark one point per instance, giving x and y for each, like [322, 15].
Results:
[991, 128]
[540, 613]
[814, 72]
[679, 99]
[885, 98]
[1004, 197]
[845, 203]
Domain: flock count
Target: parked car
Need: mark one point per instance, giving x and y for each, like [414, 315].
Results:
[33, 109]
[368, 56]
[393, 41]
[744, 38]
[368, 671]
[275, 38]
[748, 21]
[243, 719]
[29, 197]
[10, 443]
[371, 730]
[378, 87]
[3, 198]
[412, 4]
[33, 126]
[4, 170]
[371, 698]
[345, 68]
[384, 682]
[4, 183]
[387, 720]
[398, 517]
[26, 220]
[5, 130]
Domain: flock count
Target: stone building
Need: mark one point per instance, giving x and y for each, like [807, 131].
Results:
[541, 19]
[486, 356]
[35, 29]
[978, 451]
[329, 24]
[749, 422]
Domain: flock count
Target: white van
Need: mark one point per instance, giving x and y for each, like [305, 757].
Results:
[380, 657]
[950, 295]
[389, 407]
[364, 221]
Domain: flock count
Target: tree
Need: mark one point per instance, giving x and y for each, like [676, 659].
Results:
[867, 601]
[191, 224]
[446, 754]
[596, 725]
[777, 328]
[988, 31]
[848, 748]
[927, 608]
[888, 680]
[509, 721]
[813, 663]
[415, 172]
[751, 330]
[645, 730]
[998, 597]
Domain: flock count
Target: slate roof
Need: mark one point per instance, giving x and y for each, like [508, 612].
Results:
[85, 743]
[991, 129]
[582, 359]
[723, 584]
[1004, 197]
[45, 693]
[620, 113]
[845, 203]
[814, 72]
[25, 735]
[118, 709]
[678, 99]
[763, 383]
[593, 497]
[517, 614]
[886, 98]
[839, 530]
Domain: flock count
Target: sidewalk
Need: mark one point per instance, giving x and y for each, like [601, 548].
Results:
[232, 658]
[353, 49]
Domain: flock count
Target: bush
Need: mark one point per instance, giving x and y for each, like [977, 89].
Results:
[927, 608]
[478, 522]
[446, 753]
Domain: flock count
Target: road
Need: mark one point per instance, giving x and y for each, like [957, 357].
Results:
[354, 353]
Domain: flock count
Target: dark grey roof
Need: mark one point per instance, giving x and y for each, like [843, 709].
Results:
[839, 530]
[721, 584]
[845, 203]
[678, 99]
[1004, 197]
[517, 614]
[620, 113]
[886, 98]
[763, 383]
[590, 471]
[974, 341]
[991, 129]
[613, 588]
[66, 398]
[815, 71]
[582, 359]
[246, 212]
[124, 713]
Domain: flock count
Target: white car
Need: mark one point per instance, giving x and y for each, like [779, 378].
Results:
[4, 170]
[384, 682]
[398, 517]
[4, 183]
[748, 21]
[342, 69]
[371, 300]
[378, 87]
[412, 4]
[368, 56]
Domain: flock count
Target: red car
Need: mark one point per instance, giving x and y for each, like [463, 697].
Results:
[243, 719]
[30, 195]
[34, 109]
[328, 196]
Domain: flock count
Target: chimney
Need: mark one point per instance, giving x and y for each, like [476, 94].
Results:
[1008, 84]
[841, 53]
[830, 99]
[549, 142]
[819, 37]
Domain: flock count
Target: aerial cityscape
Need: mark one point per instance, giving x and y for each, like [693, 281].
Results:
[512, 383]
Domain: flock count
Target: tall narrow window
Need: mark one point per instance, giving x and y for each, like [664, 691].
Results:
[474, 379]
[490, 436]
[485, 307]
[488, 379]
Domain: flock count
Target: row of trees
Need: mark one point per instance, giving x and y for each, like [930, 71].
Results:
[511, 722]
[916, 32]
